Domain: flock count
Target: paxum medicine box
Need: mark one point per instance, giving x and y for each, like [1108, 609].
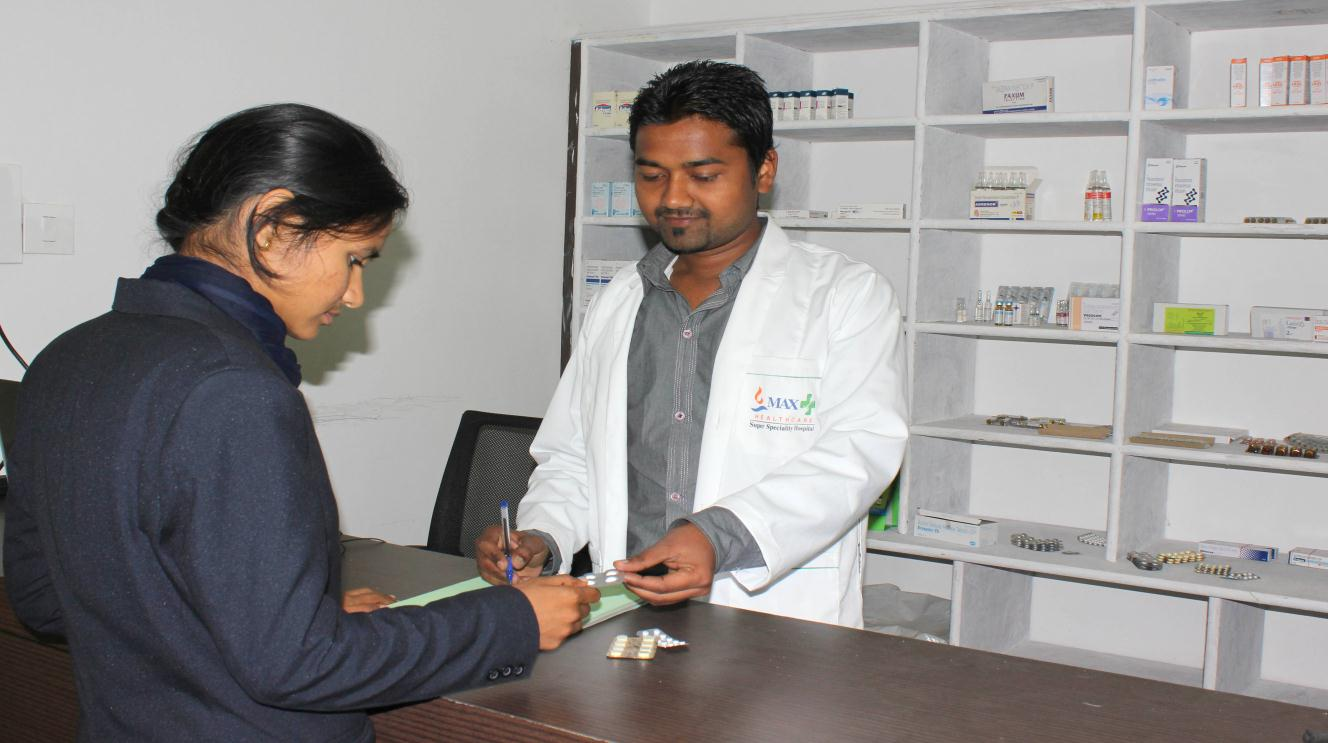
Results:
[1157, 190]
[1015, 96]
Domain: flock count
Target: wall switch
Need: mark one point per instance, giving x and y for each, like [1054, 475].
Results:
[48, 228]
[11, 214]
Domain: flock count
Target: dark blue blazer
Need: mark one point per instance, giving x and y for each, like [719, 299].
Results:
[170, 513]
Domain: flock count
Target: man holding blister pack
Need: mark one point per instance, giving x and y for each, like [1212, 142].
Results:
[735, 403]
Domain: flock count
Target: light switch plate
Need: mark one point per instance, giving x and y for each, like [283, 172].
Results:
[11, 214]
[48, 228]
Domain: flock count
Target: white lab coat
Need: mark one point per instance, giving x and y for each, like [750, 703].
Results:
[806, 322]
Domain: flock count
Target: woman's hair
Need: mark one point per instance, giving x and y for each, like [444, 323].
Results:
[335, 170]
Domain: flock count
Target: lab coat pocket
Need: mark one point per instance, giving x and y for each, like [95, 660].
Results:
[779, 408]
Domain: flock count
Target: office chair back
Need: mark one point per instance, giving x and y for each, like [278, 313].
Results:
[489, 463]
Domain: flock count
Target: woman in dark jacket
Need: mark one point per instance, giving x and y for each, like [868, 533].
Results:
[169, 508]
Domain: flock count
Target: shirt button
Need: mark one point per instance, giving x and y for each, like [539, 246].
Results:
[675, 497]
[687, 333]
[679, 416]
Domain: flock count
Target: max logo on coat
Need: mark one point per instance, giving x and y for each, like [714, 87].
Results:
[783, 412]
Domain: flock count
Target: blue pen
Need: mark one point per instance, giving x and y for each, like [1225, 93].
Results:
[507, 538]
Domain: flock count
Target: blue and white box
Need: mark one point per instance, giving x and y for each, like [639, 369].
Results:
[620, 198]
[1159, 87]
[599, 198]
[969, 531]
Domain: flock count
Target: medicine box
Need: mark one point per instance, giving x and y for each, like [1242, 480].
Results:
[602, 104]
[1285, 323]
[622, 108]
[1319, 78]
[620, 198]
[1273, 81]
[969, 531]
[1014, 96]
[1188, 189]
[1190, 319]
[1239, 82]
[1257, 552]
[599, 198]
[1094, 313]
[1159, 87]
[798, 214]
[870, 211]
[1307, 558]
[1298, 80]
[1157, 190]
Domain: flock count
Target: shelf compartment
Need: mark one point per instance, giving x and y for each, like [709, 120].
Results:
[1079, 623]
[681, 48]
[1271, 120]
[1025, 125]
[847, 130]
[1270, 653]
[1278, 586]
[846, 225]
[1032, 227]
[879, 63]
[1230, 455]
[1087, 51]
[1063, 158]
[1168, 506]
[957, 263]
[639, 222]
[1230, 342]
[956, 376]
[1248, 160]
[1267, 394]
[1234, 229]
[825, 175]
[992, 480]
[1050, 333]
[1200, 39]
[974, 428]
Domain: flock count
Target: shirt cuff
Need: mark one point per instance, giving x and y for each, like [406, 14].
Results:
[735, 548]
[555, 559]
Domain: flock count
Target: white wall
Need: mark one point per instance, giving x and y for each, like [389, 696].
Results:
[96, 98]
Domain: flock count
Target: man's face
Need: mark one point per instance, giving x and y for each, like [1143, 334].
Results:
[694, 183]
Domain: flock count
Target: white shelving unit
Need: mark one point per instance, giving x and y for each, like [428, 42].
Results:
[918, 139]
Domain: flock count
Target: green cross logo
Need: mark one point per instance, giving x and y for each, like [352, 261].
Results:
[807, 405]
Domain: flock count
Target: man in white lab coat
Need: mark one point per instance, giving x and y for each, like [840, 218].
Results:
[735, 403]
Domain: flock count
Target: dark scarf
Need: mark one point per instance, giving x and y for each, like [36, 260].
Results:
[232, 295]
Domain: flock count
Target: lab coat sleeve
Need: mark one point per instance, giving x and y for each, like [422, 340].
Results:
[241, 516]
[809, 502]
[557, 501]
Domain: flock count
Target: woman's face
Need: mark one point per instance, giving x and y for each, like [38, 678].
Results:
[314, 282]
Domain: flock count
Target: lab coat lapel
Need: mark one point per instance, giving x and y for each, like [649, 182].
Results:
[742, 336]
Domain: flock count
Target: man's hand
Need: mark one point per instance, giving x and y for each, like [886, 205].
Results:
[560, 602]
[362, 600]
[528, 555]
[691, 562]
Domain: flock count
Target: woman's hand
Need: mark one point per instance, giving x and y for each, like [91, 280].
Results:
[363, 600]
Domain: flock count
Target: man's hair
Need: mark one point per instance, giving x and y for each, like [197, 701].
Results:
[730, 94]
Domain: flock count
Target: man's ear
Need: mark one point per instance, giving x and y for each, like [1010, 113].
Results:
[765, 175]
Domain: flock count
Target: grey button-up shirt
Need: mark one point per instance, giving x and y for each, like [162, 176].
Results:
[669, 366]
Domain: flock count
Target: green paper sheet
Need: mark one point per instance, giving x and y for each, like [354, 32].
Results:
[613, 600]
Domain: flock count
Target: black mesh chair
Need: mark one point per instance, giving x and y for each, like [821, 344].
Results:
[490, 462]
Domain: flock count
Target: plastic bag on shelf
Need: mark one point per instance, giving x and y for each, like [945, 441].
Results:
[921, 616]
